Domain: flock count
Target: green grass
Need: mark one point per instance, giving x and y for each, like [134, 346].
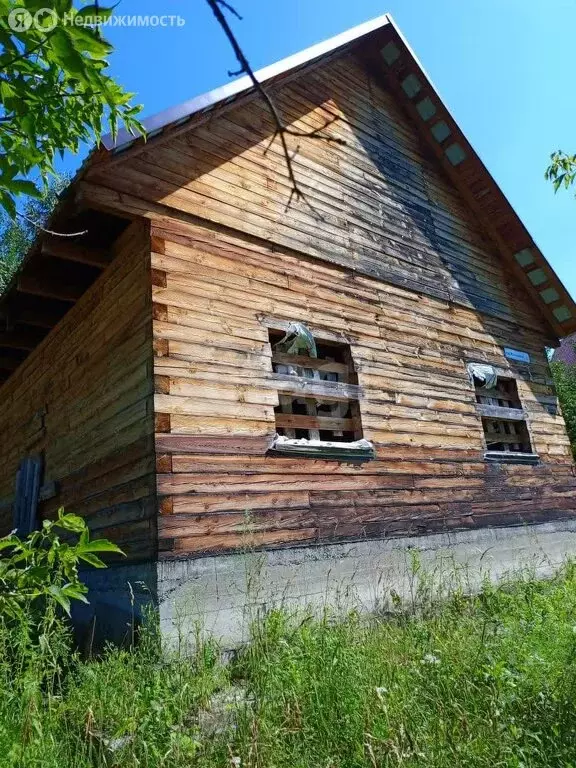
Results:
[486, 681]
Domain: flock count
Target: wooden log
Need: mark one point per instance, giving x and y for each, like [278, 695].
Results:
[49, 287]
[214, 444]
[326, 390]
[313, 363]
[295, 421]
[498, 412]
[76, 251]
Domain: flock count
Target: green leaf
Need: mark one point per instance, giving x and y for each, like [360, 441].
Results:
[66, 54]
[9, 541]
[87, 40]
[6, 90]
[72, 523]
[75, 592]
[7, 202]
[91, 559]
[99, 545]
[62, 6]
[35, 5]
[90, 11]
[60, 597]
[38, 572]
[23, 187]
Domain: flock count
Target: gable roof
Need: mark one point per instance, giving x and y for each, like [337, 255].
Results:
[181, 114]
[388, 57]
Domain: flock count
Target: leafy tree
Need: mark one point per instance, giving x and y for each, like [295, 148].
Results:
[17, 235]
[54, 90]
[562, 170]
[565, 380]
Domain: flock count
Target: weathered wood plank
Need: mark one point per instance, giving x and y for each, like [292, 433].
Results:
[499, 412]
[83, 398]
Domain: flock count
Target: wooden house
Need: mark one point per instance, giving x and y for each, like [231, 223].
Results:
[566, 352]
[207, 369]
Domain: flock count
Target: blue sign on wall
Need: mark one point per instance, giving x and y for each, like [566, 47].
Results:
[516, 354]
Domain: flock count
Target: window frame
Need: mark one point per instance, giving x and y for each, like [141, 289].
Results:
[503, 414]
[289, 387]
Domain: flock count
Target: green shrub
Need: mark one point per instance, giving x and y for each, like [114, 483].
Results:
[44, 567]
[565, 381]
[38, 580]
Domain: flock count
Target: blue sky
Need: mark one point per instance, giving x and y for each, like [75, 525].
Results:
[503, 67]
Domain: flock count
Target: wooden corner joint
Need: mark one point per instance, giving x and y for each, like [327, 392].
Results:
[162, 385]
[159, 311]
[161, 348]
[158, 277]
[166, 505]
[158, 244]
[164, 463]
[162, 422]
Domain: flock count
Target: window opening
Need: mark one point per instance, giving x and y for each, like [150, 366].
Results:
[319, 407]
[503, 419]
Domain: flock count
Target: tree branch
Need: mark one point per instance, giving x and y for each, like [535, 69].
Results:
[25, 53]
[50, 231]
[281, 130]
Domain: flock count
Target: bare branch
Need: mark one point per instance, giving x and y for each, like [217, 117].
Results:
[228, 7]
[40, 228]
[282, 130]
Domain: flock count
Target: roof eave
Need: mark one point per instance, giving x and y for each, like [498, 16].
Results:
[158, 122]
[510, 234]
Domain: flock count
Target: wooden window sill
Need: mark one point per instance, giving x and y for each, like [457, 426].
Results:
[511, 457]
[358, 451]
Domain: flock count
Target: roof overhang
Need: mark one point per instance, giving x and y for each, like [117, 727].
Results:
[398, 64]
[181, 114]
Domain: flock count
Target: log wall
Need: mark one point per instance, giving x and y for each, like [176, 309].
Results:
[383, 254]
[83, 400]
[215, 397]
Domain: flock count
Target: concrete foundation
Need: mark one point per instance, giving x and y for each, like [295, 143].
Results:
[222, 595]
